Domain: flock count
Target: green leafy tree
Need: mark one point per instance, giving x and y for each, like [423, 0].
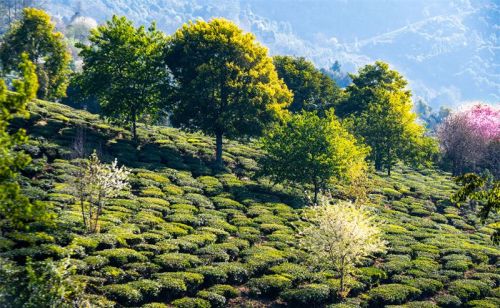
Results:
[482, 189]
[35, 35]
[340, 237]
[226, 82]
[312, 150]
[312, 90]
[379, 110]
[123, 67]
[15, 208]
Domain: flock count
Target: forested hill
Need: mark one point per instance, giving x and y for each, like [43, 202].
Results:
[192, 237]
[447, 49]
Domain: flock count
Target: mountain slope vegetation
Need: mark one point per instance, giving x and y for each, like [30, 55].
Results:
[188, 236]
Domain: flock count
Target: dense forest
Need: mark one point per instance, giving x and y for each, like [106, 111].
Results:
[192, 169]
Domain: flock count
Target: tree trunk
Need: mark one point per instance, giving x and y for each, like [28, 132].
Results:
[389, 170]
[218, 149]
[342, 278]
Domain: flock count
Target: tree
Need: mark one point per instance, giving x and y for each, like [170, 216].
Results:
[123, 67]
[34, 34]
[14, 206]
[312, 90]
[340, 237]
[365, 85]
[226, 82]
[469, 138]
[94, 185]
[484, 190]
[379, 110]
[311, 150]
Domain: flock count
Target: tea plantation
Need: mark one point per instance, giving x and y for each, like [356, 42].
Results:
[187, 236]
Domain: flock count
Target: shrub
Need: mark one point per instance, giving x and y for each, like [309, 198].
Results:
[123, 293]
[426, 285]
[390, 294]
[295, 272]
[484, 303]
[467, 289]
[447, 300]
[225, 290]
[210, 185]
[372, 275]
[311, 294]
[213, 298]
[149, 289]
[260, 258]
[120, 256]
[212, 274]
[189, 302]
[458, 265]
[269, 285]
[177, 261]
[421, 304]
[171, 287]
[236, 272]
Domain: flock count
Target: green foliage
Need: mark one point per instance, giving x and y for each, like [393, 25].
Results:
[189, 302]
[269, 285]
[34, 34]
[483, 190]
[467, 289]
[312, 90]
[388, 294]
[40, 284]
[379, 110]
[227, 84]
[14, 206]
[310, 150]
[310, 294]
[177, 261]
[123, 67]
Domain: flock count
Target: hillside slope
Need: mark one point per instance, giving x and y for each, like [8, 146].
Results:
[210, 239]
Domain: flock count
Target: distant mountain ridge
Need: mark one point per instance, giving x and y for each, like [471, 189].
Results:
[447, 49]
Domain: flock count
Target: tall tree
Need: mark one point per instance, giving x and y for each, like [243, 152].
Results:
[123, 67]
[379, 110]
[14, 206]
[312, 150]
[35, 35]
[312, 90]
[226, 82]
[365, 85]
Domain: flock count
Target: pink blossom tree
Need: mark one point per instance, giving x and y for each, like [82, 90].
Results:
[468, 136]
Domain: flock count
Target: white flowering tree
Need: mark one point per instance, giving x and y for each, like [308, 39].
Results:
[340, 237]
[95, 184]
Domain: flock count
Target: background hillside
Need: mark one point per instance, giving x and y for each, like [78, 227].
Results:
[447, 49]
[193, 237]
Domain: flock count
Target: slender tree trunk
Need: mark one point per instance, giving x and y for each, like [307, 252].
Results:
[218, 149]
[134, 124]
[389, 170]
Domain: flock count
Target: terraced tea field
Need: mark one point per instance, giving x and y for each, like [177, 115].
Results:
[189, 237]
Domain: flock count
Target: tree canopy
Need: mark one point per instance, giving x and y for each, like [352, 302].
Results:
[123, 67]
[226, 82]
[35, 35]
[312, 150]
[379, 110]
[312, 89]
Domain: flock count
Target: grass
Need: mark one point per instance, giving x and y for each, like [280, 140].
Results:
[192, 237]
